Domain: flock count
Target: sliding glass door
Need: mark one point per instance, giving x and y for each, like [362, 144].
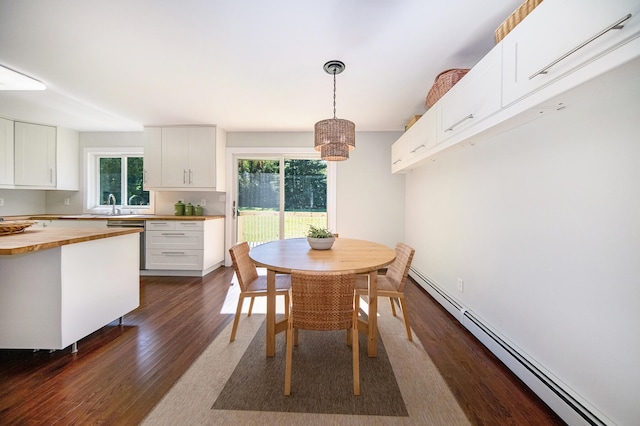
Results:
[279, 198]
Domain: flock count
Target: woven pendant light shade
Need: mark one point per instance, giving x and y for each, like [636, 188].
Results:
[334, 152]
[335, 131]
[334, 137]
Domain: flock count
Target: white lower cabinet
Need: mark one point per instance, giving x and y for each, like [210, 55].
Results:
[184, 246]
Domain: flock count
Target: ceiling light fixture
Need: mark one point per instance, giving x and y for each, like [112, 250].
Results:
[14, 80]
[334, 137]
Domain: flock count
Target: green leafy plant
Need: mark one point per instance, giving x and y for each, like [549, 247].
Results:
[319, 232]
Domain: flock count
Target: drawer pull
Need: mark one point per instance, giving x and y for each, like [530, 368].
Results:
[173, 234]
[615, 26]
[468, 117]
[417, 148]
[173, 253]
[396, 162]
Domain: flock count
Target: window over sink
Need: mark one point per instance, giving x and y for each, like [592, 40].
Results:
[114, 176]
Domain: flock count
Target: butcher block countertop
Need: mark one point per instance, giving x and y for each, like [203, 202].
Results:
[117, 217]
[34, 239]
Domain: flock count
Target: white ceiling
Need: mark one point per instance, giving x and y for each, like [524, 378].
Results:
[245, 65]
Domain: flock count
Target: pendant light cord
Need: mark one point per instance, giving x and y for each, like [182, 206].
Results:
[334, 93]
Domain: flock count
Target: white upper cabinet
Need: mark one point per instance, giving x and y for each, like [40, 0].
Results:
[558, 47]
[67, 159]
[152, 158]
[184, 157]
[398, 155]
[474, 97]
[35, 155]
[6, 153]
[561, 36]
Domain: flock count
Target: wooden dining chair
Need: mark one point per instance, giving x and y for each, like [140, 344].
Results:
[253, 285]
[322, 301]
[391, 284]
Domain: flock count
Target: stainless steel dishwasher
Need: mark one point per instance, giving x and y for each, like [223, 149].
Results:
[115, 223]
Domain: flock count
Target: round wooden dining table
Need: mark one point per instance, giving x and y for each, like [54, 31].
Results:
[283, 256]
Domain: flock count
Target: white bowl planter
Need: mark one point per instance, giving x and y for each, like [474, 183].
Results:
[321, 243]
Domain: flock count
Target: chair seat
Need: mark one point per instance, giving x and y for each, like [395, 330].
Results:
[383, 284]
[259, 285]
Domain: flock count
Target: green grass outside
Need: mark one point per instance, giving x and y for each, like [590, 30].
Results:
[262, 226]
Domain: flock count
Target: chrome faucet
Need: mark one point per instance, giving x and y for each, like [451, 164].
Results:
[113, 206]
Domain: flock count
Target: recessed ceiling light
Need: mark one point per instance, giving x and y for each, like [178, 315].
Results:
[14, 80]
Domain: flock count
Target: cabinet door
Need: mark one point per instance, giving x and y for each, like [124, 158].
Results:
[559, 37]
[175, 157]
[35, 155]
[473, 98]
[202, 157]
[6, 152]
[174, 240]
[398, 154]
[67, 157]
[423, 136]
[152, 157]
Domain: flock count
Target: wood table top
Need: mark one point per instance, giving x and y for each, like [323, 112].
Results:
[34, 239]
[346, 254]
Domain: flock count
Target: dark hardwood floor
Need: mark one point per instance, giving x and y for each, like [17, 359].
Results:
[121, 372]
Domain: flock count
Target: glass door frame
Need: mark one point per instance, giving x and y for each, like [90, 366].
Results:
[257, 153]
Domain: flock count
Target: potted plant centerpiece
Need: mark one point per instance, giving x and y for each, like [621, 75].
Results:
[320, 238]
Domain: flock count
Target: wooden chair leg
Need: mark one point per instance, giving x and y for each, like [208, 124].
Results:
[289, 355]
[356, 356]
[236, 319]
[251, 306]
[286, 305]
[405, 314]
[393, 306]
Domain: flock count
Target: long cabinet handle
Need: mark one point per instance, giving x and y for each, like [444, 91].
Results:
[396, 162]
[468, 117]
[615, 26]
[416, 148]
[172, 234]
[175, 253]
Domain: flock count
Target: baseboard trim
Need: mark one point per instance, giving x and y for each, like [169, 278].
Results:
[560, 398]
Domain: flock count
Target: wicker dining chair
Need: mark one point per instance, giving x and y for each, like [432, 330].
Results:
[253, 285]
[322, 301]
[391, 284]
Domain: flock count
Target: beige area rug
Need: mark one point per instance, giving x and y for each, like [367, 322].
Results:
[427, 398]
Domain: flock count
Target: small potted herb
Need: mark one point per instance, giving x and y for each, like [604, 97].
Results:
[320, 238]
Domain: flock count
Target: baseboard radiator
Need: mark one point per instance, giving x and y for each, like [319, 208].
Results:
[562, 400]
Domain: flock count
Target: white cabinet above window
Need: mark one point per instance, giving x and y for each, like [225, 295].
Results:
[185, 158]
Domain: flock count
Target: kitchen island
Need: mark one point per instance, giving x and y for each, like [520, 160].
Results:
[58, 285]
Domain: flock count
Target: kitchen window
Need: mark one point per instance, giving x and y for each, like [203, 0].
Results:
[116, 173]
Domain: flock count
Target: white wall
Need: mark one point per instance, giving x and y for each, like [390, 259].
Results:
[543, 225]
[22, 201]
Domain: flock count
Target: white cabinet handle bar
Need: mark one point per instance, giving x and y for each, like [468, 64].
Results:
[615, 26]
[459, 122]
[417, 148]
